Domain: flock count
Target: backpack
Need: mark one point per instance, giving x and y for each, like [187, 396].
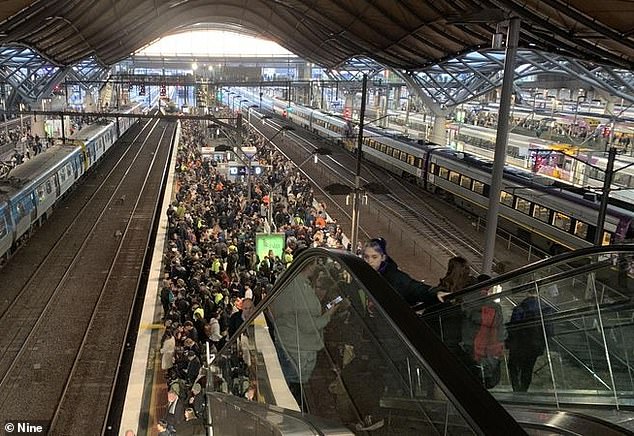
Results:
[488, 348]
[525, 328]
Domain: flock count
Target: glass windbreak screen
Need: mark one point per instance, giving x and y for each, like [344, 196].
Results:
[562, 333]
[323, 347]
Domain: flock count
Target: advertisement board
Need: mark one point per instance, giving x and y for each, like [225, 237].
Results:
[265, 242]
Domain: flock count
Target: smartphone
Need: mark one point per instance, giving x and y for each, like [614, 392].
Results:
[334, 302]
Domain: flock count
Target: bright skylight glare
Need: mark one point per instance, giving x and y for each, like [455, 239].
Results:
[213, 43]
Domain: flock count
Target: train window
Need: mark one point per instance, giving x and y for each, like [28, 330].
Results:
[506, 199]
[40, 193]
[454, 177]
[21, 210]
[478, 187]
[581, 230]
[410, 160]
[419, 162]
[49, 187]
[383, 148]
[541, 213]
[3, 227]
[443, 172]
[432, 168]
[404, 156]
[561, 221]
[523, 205]
[388, 151]
[62, 175]
[607, 237]
[465, 182]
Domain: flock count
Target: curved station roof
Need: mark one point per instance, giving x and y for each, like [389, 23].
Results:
[402, 34]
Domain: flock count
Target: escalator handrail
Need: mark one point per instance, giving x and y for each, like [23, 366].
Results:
[477, 406]
[565, 421]
[584, 252]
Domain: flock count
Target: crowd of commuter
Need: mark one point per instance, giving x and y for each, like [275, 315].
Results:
[214, 278]
[19, 145]
[213, 275]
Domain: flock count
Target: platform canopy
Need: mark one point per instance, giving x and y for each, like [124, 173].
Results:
[402, 34]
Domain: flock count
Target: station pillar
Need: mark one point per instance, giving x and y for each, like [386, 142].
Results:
[396, 104]
[37, 126]
[348, 107]
[383, 110]
[439, 132]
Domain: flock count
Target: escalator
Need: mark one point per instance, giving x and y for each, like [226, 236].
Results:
[334, 350]
[584, 322]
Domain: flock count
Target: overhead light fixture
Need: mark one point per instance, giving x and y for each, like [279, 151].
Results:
[176, 3]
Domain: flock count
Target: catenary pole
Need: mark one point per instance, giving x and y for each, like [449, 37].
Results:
[605, 196]
[354, 233]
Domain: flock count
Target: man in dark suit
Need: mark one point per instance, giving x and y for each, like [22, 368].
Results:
[175, 409]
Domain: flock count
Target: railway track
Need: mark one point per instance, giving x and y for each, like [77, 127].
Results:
[403, 203]
[433, 226]
[64, 321]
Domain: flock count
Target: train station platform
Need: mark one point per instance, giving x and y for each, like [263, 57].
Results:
[427, 391]
[146, 395]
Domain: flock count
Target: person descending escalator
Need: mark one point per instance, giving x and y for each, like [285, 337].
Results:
[412, 291]
[526, 340]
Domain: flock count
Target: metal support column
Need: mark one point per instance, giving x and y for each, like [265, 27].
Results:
[354, 233]
[603, 208]
[501, 141]
[63, 130]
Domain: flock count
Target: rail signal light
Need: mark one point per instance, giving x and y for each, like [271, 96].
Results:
[142, 89]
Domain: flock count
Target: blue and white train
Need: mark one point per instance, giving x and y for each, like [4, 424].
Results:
[549, 214]
[29, 192]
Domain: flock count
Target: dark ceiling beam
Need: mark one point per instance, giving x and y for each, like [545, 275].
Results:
[589, 22]
[334, 32]
[360, 47]
[61, 46]
[409, 34]
[579, 46]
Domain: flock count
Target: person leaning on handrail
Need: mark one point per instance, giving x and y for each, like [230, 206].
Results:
[412, 291]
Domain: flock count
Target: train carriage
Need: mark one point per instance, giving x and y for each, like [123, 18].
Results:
[554, 218]
[533, 209]
[29, 192]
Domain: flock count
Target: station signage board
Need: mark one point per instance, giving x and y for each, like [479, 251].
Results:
[273, 241]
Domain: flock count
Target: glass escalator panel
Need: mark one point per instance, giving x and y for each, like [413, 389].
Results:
[559, 332]
[323, 346]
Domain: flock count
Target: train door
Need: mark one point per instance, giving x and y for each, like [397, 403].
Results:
[5, 231]
[624, 231]
[76, 166]
[23, 211]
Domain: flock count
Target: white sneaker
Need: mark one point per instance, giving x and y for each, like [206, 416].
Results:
[369, 426]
